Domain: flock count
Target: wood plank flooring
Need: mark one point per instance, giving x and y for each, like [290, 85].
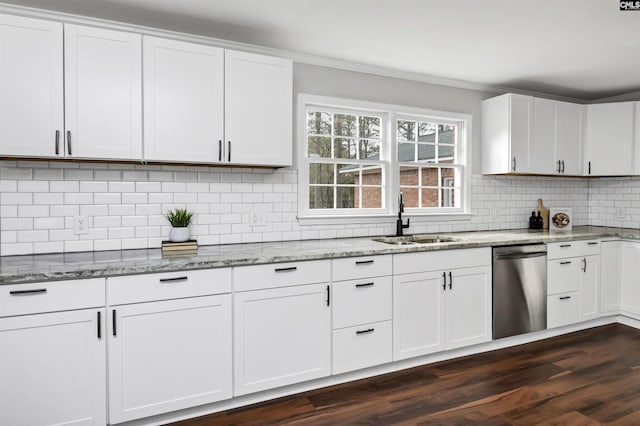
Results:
[590, 377]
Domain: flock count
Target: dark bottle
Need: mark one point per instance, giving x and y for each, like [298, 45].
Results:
[532, 221]
[539, 221]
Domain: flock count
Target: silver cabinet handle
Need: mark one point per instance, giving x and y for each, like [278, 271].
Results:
[229, 152]
[69, 142]
[57, 142]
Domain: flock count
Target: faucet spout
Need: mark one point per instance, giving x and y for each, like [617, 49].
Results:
[400, 226]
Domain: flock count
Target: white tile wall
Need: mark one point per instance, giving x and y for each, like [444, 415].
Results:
[125, 205]
[610, 196]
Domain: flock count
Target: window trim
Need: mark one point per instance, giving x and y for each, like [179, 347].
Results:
[390, 114]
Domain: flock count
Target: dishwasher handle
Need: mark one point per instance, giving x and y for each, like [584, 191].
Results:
[520, 255]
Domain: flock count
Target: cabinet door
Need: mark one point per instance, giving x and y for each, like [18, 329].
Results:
[543, 147]
[563, 275]
[468, 307]
[258, 109]
[590, 287]
[418, 314]
[31, 87]
[609, 142]
[169, 355]
[281, 336]
[53, 369]
[610, 278]
[569, 136]
[103, 93]
[630, 271]
[183, 101]
[563, 309]
[520, 133]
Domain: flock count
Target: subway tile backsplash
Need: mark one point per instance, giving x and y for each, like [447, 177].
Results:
[125, 205]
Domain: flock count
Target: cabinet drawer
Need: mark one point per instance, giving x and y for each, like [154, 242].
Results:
[361, 267]
[361, 301]
[573, 249]
[563, 309]
[20, 299]
[360, 347]
[275, 275]
[563, 275]
[167, 285]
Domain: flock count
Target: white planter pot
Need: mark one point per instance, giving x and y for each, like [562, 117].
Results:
[179, 235]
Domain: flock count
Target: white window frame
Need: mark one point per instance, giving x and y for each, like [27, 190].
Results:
[388, 154]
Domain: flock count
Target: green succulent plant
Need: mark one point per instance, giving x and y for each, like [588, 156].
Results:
[179, 218]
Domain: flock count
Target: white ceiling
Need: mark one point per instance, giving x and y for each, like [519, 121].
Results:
[582, 49]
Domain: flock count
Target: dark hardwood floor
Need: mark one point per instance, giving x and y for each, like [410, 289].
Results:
[590, 377]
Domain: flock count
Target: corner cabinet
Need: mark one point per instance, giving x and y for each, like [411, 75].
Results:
[282, 325]
[204, 104]
[52, 354]
[443, 305]
[609, 147]
[507, 134]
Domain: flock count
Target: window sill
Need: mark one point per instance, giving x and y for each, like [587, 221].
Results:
[383, 219]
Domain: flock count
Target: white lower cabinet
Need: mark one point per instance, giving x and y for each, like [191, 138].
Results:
[610, 279]
[630, 271]
[444, 309]
[361, 346]
[563, 309]
[281, 336]
[52, 365]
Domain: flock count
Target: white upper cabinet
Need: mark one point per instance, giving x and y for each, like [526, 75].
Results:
[258, 109]
[557, 137]
[103, 93]
[183, 101]
[507, 134]
[31, 87]
[609, 144]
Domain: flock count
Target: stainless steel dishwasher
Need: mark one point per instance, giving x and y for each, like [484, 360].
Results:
[519, 289]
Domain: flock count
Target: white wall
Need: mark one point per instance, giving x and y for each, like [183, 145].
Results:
[125, 203]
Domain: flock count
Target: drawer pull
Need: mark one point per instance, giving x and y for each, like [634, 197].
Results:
[368, 330]
[364, 262]
[566, 262]
[113, 315]
[173, 280]
[565, 245]
[364, 285]
[565, 297]
[290, 269]
[328, 295]
[592, 243]
[27, 292]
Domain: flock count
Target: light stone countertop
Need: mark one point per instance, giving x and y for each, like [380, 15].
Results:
[66, 266]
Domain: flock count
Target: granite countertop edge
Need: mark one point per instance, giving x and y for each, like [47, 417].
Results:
[84, 265]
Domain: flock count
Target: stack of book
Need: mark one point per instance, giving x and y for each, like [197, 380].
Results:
[184, 248]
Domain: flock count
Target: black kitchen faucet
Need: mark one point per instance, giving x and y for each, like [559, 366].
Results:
[399, 225]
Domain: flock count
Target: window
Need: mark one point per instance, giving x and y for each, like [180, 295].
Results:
[356, 156]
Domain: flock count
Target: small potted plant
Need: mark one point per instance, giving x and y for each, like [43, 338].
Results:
[179, 220]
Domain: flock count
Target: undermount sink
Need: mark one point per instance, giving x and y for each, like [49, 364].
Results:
[414, 239]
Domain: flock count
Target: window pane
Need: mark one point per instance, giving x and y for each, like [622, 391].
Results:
[406, 130]
[410, 196]
[371, 198]
[318, 123]
[426, 153]
[409, 176]
[448, 177]
[406, 152]
[321, 174]
[369, 149]
[344, 124]
[346, 197]
[319, 146]
[369, 127]
[429, 176]
[321, 197]
[430, 197]
[348, 174]
[345, 148]
[446, 133]
[372, 175]
[448, 199]
[446, 153]
[427, 132]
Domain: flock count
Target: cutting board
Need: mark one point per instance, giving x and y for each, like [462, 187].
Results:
[544, 212]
